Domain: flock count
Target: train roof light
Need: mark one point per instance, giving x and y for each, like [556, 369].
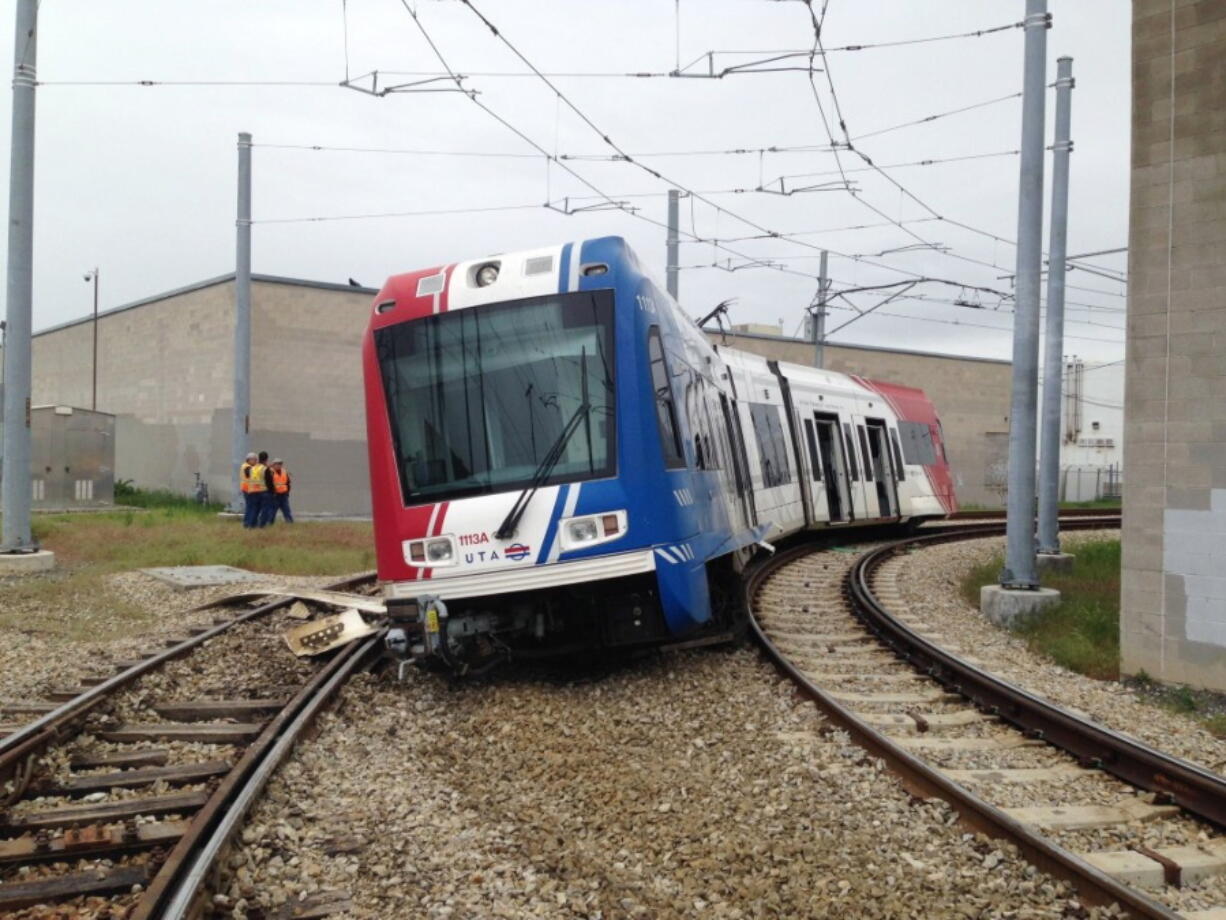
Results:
[598, 269]
[487, 274]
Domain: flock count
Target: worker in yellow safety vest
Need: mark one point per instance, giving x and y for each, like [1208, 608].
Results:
[251, 485]
[261, 485]
[280, 492]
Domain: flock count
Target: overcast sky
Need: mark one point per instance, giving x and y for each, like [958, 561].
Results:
[140, 180]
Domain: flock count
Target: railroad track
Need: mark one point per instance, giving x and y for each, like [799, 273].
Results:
[127, 820]
[991, 514]
[1079, 800]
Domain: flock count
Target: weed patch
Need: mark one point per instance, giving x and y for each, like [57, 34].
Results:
[1080, 633]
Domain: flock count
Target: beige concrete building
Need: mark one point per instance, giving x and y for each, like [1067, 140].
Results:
[166, 371]
[971, 396]
[1173, 618]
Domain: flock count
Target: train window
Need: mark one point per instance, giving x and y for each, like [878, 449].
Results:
[852, 467]
[666, 411]
[501, 396]
[813, 458]
[864, 452]
[772, 448]
[902, 473]
[917, 446]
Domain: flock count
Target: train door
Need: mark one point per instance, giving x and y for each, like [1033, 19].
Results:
[834, 467]
[882, 464]
[740, 465]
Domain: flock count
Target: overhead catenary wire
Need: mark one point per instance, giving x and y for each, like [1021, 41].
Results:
[656, 174]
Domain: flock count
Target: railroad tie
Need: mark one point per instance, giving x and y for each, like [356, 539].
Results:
[92, 840]
[993, 777]
[1154, 868]
[106, 811]
[1081, 817]
[204, 710]
[935, 720]
[24, 894]
[204, 732]
[174, 775]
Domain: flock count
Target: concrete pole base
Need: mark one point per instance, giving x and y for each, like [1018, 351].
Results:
[1055, 562]
[1011, 606]
[26, 563]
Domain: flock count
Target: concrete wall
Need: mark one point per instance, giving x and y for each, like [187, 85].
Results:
[165, 369]
[971, 396]
[1173, 618]
[308, 403]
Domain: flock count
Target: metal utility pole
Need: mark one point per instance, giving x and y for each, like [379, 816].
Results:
[1053, 363]
[819, 313]
[242, 320]
[93, 402]
[674, 222]
[1020, 569]
[16, 493]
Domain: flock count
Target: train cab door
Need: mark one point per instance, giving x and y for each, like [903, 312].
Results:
[884, 475]
[740, 464]
[835, 476]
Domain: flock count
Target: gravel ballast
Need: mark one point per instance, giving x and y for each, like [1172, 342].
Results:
[694, 785]
[929, 582]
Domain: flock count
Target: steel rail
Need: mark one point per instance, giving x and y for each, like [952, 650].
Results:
[1093, 885]
[35, 736]
[990, 514]
[1193, 788]
[175, 890]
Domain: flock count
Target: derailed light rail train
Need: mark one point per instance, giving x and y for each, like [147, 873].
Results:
[560, 460]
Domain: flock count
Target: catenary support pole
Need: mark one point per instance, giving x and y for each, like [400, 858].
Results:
[1020, 569]
[819, 313]
[1053, 363]
[674, 222]
[93, 393]
[16, 493]
[242, 320]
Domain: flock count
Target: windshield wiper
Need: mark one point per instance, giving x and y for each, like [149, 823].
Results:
[506, 529]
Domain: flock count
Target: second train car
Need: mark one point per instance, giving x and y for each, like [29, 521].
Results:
[561, 460]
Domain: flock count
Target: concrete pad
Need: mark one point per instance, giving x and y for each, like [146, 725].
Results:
[26, 563]
[1080, 817]
[201, 576]
[1055, 562]
[1006, 606]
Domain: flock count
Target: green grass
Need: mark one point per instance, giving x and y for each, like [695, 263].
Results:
[1080, 633]
[81, 604]
[130, 496]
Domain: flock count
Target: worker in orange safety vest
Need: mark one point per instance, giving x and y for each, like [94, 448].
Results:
[281, 484]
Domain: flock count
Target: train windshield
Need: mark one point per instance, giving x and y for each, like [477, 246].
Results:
[480, 397]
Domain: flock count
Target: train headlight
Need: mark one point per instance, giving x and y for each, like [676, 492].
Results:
[583, 530]
[439, 551]
[435, 551]
[593, 529]
[487, 274]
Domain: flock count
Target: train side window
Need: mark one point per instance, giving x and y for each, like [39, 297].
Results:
[898, 465]
[917, 446]
[852, 466]
[813, 458]
[666, 410]
[772, 448]
[864, 452]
